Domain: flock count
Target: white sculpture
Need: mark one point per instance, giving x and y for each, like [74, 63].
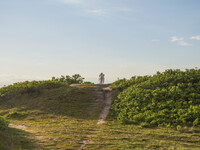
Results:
[101, 78]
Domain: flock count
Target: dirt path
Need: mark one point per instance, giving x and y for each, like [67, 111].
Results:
[107, 99]
[26, 129]
[106, 105]
[21, 127]
[105, 96]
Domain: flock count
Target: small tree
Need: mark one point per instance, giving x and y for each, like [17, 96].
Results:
[74, 79]
[77, 78]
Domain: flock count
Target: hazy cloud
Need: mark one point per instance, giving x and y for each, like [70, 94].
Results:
[99, 12]
[108, 12]
[180, 41]
[195, 37]
[183, 43]
[174, 39]
[122, 9]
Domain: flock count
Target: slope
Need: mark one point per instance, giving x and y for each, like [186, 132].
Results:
[58, 118]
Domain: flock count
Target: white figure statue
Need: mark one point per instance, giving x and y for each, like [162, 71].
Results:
[101, 78]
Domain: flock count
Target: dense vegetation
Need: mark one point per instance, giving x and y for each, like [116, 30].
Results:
[171, 98]
[74, 79]
[36, 86]
[3, 132]
[27, 87]
[3, 124]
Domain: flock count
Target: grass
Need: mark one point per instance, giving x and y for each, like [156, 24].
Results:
[62, 118]
[16, 140]
[115, 136]
[54, 119]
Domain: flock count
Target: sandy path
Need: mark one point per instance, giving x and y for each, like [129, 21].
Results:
[105, 96]
[107, 99]
[21, 127]
[106, 105]
[24, 128]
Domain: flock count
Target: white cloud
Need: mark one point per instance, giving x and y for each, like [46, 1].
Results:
[108, 12]
[180, 41]
[195, 37]
[183, 43]
[174, 39]
[99, 12]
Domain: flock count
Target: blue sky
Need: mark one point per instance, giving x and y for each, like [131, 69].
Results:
[121, 38]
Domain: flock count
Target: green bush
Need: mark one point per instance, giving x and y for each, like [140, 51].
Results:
[28, 87]
[74, 79]
[34, 87]
[87, 82]
[168, 99]
[3, 124]
[179, 128]
[15, 115]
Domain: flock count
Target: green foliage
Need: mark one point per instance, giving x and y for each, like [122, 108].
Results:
[15, 115]
[87, 82]
[120, 84]
[28, 87]
[34, 87]
[74, 79]
[3, 124]
[196, 122]
[179, 128]
[167, 99]
[124, 83]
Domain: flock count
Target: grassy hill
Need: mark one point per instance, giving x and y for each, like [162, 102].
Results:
[53, 115]
[53, 118]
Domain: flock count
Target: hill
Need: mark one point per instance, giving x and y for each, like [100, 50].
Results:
[56, 117]
[53, 115]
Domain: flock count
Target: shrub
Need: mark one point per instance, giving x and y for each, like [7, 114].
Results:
[196, 122]
[179, 128]
[28, 87]
[3, 124]
[87, 82]
[74, 79]
[170, 98]
[15, 115]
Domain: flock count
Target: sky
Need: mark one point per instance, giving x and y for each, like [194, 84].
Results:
[40, 39]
